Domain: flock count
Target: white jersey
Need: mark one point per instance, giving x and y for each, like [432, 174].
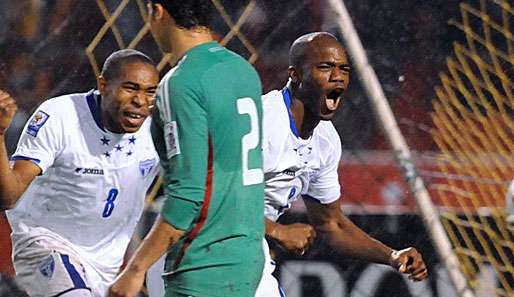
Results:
[294, 166]
[91, 192]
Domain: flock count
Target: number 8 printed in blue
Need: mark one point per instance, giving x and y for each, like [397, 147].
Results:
[109, 203]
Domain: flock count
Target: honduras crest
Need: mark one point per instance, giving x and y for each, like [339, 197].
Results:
[47, 267]
[146, 166]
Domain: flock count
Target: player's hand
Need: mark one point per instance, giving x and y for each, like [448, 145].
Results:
[127, 284]
[409, 261]
[296, 238]
[8, 108]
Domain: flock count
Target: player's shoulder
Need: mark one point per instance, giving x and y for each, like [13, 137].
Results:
[275, 117]
[211, 58]
[64, 106]
[273, 101]
[274, 108]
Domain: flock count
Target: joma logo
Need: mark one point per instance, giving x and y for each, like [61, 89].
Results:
[289, 172]
[92, 171]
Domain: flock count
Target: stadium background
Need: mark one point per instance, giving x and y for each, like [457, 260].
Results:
[43, 54]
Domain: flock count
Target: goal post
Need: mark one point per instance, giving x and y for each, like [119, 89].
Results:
[401, 150]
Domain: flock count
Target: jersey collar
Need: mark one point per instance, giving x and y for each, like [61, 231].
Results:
[287, 101]
[93, 101]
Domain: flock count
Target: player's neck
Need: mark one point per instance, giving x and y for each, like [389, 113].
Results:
[183, 40]
[304, 121]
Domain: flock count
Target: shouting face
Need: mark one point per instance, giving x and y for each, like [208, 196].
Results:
[322, 76]
[128, 98]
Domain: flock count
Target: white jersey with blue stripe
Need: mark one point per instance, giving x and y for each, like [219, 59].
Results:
[294, 166]
[91, 192]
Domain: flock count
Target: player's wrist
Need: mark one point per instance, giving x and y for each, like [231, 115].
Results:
[136, 268]
[393, 257]
[273, 230]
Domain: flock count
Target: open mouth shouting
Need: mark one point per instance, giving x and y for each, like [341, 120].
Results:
[332, 100]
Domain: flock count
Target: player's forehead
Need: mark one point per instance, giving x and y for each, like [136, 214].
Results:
[138, 72]
[326, 49]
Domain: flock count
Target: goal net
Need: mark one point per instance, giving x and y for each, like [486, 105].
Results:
[474, 121]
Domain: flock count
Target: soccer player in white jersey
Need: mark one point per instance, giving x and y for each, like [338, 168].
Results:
[301, 151]
[80, 174]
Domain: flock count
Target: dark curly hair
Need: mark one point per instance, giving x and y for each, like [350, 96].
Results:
[188, 13]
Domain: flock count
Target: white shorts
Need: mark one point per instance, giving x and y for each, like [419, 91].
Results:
[268, 286]
[46, 270]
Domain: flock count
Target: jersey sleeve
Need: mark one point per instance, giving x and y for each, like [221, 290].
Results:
[41, 139]
[186, 140]
[325, 186]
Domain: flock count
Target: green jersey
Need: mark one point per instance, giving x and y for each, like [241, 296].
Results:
[208, 135]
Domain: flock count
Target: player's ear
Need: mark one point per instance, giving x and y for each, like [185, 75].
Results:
[294, 75]
[101, 83]
[157, 11]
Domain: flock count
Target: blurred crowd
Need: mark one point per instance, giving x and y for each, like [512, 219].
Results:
[42, 46]
[41, 52]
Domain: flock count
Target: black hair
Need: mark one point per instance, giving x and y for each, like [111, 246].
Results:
[112, 65]
[299, 46]
[188, 14]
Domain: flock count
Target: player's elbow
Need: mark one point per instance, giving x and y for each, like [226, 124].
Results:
[6, 206]
[7, 201]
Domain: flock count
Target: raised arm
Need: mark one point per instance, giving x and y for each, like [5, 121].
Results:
[13, 181]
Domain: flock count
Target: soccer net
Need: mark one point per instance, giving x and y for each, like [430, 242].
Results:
[474, 121]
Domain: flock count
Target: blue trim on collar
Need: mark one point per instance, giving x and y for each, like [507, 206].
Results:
[93, 98]
[288, 102]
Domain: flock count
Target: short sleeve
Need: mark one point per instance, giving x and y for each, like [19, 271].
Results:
[325, 186]
[41, 139]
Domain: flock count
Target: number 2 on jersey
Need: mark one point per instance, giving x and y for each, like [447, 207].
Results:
[250, 141]
[109, 203]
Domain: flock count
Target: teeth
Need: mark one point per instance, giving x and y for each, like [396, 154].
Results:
[134, 116]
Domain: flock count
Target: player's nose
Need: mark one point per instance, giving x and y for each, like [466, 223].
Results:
[138, 99]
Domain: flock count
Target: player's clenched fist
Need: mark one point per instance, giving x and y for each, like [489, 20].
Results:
[296, 238]
[8, 108]
[409, 261]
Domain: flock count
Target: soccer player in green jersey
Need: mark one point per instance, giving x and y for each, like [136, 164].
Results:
[207, 132]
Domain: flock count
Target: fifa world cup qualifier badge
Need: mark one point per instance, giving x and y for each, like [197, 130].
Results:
[171, 139]
[37, 122]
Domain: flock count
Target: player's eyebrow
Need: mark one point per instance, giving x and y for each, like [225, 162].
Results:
[130, 84]
[332, 63]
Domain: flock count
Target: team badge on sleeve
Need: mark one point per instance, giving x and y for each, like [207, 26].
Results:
[146, 166]
[47, 267]
[37, 122]
[171, 139]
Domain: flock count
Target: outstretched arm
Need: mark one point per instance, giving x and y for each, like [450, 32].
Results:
[346, 237]
[13, 181]
[155, 244]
